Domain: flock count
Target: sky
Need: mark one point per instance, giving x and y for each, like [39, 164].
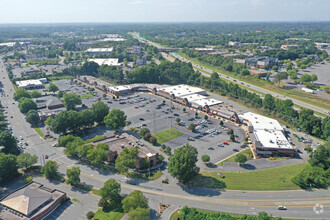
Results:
[68, 11]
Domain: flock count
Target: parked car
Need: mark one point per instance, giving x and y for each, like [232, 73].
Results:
[221, 145]
[141, 119]
[210, 148]
[226, 143]
[46, 156]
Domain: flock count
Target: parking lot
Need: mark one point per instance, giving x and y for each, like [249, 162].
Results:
[147, 110]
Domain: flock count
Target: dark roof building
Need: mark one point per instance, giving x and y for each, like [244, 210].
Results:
[49, 102]
[32, 201]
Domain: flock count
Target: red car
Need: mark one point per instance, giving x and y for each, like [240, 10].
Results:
[225, 142]
[46, 156]
[136, 107]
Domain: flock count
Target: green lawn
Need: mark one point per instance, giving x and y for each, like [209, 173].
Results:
[39, 131]
[88, 95]
[167, 135]
[269, 179]
[177, 213]
[96, 138]
[247, 152]
[106, 215]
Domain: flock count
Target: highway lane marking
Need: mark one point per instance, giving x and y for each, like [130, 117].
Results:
[214, 200]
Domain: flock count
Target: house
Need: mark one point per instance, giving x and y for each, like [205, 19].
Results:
[32, 201]
[288, 46]
[141, 61]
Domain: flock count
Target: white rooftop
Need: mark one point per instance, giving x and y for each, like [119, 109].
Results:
[182, 90]
[99, 50]
[272, 139]
[109, 62]
[260, 122]
[201, 100]
[25, 83]
[115, 39]
[119, 88]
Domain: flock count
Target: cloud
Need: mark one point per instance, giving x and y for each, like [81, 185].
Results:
[256, 3]
[137, 2]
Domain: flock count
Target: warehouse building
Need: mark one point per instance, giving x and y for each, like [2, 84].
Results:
[32, 201]
[267, 135]
[31, 84]
[97, 51]
[109, 62]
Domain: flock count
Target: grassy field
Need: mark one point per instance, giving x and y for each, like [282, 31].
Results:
[106, 215]
[247, 152]
[167, 135]
[96, 138]
[269, 179]
[88, 95]
[176, 214]
[39, 131]
[293, 93]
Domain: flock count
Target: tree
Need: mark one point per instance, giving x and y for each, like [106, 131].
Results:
[87, 118]
[126, 159]
[321, 156]
[50, 169]
[206, 158]
[100, 110]
[143, 132]
[240, 158]
[275, 68]
[182, 165]
[268, 102]
[83, 150]
[192, 127]
[8, 141]
[184, 109]
[26, 160]
[153, 140]
[232, 137]
[116, 119]
[35, 94]
[110, 192]
[71, 100]
[177, 120]
[73, 176]
[90, 215]
[98, 155]
[313, 77]
[32, 117]
[60, 94]
[134, 200]
[52, 88]
[221, 123]
[280, 76]
[90, 68]
[26, 104]
[305, 78]
[147, 136]
[20, 93]
[289, 67]
[139, 214]
[206, 117]
[8, 167]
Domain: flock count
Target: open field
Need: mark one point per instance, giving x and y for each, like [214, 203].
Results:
[167, 135]
[293, 93]
[269, 179]
[105, 215]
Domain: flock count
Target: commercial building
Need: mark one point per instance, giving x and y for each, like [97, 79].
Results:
[32, 201]
[31, 84]
[173, 92]
[48, 102]
[205, 49]
[288, 46]
[260, 72]
[258, 62]
[97, 51]
[119, 90]
[118, 143]
[109, 62]
[267, 135]
[234, 44]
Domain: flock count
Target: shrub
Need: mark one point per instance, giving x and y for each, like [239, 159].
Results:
[147, 136]
[163, 146]
[153, 140]
[28, 179]
[90, 215]
[168, 150]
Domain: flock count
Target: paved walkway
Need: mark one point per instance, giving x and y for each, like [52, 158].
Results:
[168, 212]
[258, 164]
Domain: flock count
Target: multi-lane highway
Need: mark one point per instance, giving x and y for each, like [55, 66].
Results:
[300, 204]
[172, 56]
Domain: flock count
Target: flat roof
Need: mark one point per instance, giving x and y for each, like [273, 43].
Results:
[182, 90]
[99, 50]
[119, 88]
[260, 122]
[25, 83]
[109, 62]
[272, 139]
[201, 100]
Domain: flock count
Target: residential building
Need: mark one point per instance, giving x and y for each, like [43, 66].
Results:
[288, 46]
[31, 202]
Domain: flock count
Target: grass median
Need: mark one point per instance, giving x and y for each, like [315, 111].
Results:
[167, 135]
[39, 131]
[268, 179]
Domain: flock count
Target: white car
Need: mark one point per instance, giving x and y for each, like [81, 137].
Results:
[20, 137]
